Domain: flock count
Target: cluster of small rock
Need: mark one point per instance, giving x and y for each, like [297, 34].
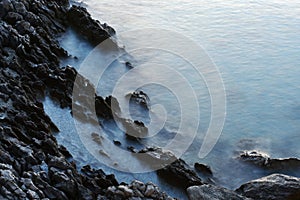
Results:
[136, 191]
[32, 164]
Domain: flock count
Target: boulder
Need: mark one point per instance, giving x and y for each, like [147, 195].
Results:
[255, 157]
[263, 160]
[134, 129]
[180, 174]
[203, 169]
[272, 187]
[81, 20]
[13, 17]
[212, 192]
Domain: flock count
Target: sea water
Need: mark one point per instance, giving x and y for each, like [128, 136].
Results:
[255, 46]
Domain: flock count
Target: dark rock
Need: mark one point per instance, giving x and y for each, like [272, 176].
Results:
[129, 65]
[49, 146]
[132, 149]
[13, 17]
[96, 138]
[285, 164]
[102, 108]
[19, 7]
[96, 32]
[84, 193]
[58, 162]
[140, 98]
[24, 27]
[211, 192]
[175, 171]
[180, 174]
[135, 191]
[101, 180]
[5, 7]
[64, 151]
[255, 157]
[265, 161]
[275, 186]
[157, 156]
[204, 169]
[62, 2]
[32, 164]
[63, 181]
[114, 104]
[53, 193]
[135, 129]
[116, 142]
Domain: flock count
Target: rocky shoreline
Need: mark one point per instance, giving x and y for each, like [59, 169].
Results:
[32, 164]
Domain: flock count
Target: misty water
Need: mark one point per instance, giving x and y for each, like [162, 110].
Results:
[255, 46]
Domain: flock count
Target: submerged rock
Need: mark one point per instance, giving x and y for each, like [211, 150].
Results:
[140, 98]
[272, 187]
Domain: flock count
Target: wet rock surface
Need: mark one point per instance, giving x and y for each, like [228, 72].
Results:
[180, 173]
[275, 186]
[203, 169]
[263, 160]
[32, 164]
[136, 190]
[211, 192]
[174, 170]
[94, 31]
[141, 98]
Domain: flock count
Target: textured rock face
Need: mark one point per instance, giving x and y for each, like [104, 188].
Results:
[32, 164]
[275, 186]
[263, 160]
[181, 174]
[136, 190]
[81, 20]
[211, 192]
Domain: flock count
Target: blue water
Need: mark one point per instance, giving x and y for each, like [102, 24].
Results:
[254, 44]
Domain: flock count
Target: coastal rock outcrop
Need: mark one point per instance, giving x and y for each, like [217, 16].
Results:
[174, 170]
[136, 190]
[211, 192]
[92, 29]
[180, 174]
[273, 187]
[32, 164]
[141, 98]
[263, 160]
